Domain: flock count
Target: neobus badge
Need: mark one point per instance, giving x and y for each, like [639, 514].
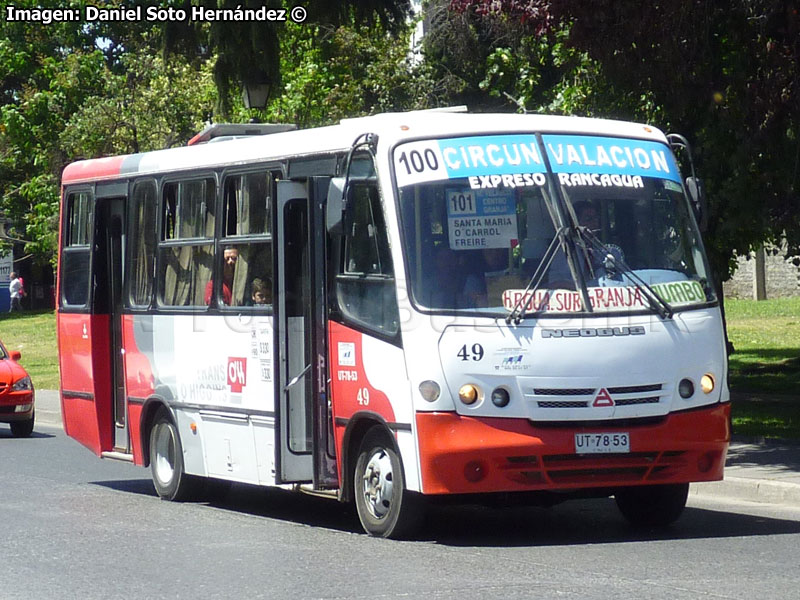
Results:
[593, 332]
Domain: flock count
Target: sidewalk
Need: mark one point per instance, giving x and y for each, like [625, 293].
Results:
[756, 472]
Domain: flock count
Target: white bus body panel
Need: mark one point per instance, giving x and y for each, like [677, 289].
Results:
[216, 372]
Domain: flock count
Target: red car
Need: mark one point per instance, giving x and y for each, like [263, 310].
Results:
[16, 394]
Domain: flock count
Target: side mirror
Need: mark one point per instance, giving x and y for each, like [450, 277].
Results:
[15, 355]
[335, 206]
[694, 186]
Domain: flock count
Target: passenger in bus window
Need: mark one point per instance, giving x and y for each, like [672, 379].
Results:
[261, 291]
[442, 282]
[230, 255]
[488, 264]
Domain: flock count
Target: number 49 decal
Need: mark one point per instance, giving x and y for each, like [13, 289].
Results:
[475, 352]
[363, 396]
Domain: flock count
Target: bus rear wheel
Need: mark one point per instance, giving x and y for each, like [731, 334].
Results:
[385, 507]
[652, 505]
[166, 461]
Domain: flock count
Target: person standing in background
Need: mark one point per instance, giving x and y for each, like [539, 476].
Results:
[15, 292]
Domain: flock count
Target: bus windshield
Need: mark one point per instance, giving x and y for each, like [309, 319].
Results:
[479, 215]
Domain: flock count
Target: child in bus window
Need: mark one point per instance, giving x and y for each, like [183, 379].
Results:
[261, 292]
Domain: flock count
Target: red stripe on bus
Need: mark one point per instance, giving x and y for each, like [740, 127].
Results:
[98, 168]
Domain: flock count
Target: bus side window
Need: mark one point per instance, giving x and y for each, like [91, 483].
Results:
[247, 211]
[365, 286]
[75, 254]
[143, 247]
[186, 249]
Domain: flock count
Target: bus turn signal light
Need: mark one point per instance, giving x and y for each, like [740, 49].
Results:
[707, 383]
[468, 393]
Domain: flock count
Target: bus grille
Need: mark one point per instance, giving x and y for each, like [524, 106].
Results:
[572, 470]
[562, 404]
[564, 391]
[564, 401]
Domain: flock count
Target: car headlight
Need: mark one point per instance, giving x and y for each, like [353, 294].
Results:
[23, 384]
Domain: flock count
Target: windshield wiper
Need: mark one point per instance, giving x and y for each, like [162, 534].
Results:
[618, 264]
[520, 308]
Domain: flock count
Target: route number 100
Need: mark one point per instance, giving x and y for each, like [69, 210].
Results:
[417, 162]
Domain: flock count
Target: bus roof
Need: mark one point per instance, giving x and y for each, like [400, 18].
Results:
[391, 128]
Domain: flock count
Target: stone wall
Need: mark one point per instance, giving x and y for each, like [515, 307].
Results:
[782, 276]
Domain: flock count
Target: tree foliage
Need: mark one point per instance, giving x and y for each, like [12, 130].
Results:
[251, 52]
[78, 90]
[330, 73]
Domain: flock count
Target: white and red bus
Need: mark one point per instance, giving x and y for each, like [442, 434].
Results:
[398, 307]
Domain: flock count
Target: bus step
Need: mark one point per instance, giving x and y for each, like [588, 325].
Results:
[117, 456]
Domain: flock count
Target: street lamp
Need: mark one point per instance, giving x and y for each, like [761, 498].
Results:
[255, 95]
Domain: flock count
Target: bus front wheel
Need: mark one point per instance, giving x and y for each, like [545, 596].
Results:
[166, 461]
[652, 505]
[385, 507]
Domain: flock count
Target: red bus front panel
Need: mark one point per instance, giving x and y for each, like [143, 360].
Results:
[462, 455]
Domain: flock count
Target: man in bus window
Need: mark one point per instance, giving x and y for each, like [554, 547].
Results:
[229, 257]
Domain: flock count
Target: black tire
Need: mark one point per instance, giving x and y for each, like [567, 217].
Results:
[22, 428]
[166, 461]
[385, 507]
[652, 505]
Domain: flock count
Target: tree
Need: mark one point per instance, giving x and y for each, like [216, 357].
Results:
[249, 52]
[330, 73]
[78, 90]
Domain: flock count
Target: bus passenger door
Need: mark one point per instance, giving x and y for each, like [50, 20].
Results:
[302, 376]
[109, 268]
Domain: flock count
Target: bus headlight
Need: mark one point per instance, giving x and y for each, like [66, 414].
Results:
[686, 388]
[468, 393]
[707, 383]
[430, 390]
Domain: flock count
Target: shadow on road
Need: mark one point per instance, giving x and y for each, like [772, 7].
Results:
[577, 522]
[5, 432]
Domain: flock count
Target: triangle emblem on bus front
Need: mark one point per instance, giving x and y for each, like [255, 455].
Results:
[603, 399]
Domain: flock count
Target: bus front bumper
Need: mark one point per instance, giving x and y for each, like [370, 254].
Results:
[466, 455]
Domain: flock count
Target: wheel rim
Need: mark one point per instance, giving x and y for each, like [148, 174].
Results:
[164, 446]
[377, 484]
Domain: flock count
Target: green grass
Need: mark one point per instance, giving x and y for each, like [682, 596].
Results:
[765, 368]
[34, 335]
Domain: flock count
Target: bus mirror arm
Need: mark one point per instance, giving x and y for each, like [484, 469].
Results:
[335, 206]
[338, 217]
[694, 185]
[697, 194]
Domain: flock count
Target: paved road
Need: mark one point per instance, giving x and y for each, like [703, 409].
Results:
[75, 526]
